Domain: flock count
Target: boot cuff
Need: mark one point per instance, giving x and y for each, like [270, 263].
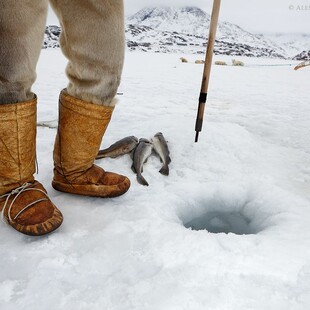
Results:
[85, 108]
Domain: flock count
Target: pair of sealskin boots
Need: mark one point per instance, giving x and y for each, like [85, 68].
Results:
[24, 203]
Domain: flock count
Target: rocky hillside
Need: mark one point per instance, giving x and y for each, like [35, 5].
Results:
[51, 37]
[185, 30]
[305, 55]
[292, 43]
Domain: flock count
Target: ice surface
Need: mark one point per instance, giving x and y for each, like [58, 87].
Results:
[252, 163]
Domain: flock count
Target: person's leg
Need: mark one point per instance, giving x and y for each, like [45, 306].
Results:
[23, 201]
[92, 39]
[21, 32]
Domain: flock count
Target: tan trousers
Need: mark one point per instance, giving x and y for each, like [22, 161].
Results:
[92, 39]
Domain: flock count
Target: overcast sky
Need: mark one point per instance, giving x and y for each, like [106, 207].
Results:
[252, 15]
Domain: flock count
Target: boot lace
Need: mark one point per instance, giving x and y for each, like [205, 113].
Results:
[17, 192]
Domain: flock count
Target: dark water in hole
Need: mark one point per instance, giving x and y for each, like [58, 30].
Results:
[223, 222]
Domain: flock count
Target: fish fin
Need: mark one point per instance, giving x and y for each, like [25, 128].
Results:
[164, 170]
[169, 160]
[146, 160]
[99, 156]
[133, 168]
[141, 180]
[154, 152]
[114, 156]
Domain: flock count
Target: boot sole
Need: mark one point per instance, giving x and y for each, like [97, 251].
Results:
[41, 229]
[102, 191]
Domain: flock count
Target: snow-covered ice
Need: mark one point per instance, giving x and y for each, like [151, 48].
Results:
[247, 181]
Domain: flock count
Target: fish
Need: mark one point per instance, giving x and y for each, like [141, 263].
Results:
[140, 156]
[121, 147]
[161, 148]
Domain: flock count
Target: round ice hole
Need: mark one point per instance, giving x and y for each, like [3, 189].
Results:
[239, 209]
[223, 222]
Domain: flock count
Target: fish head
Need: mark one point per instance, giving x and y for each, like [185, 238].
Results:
[144, 140]
[134, 139]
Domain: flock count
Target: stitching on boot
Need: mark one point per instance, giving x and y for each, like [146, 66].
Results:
[18, 144]
[8, 150]
[59, 145]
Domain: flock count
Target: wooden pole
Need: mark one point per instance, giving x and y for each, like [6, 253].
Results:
[207, 67]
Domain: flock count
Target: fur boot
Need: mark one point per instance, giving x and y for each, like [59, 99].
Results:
[80, 131]
[23, 201]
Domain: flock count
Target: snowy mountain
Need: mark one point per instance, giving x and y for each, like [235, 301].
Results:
[193, 21]
[292, 43]
[185, 30]
[187, 20]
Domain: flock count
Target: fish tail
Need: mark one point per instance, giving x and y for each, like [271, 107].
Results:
[164, 170]
[142, 180]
